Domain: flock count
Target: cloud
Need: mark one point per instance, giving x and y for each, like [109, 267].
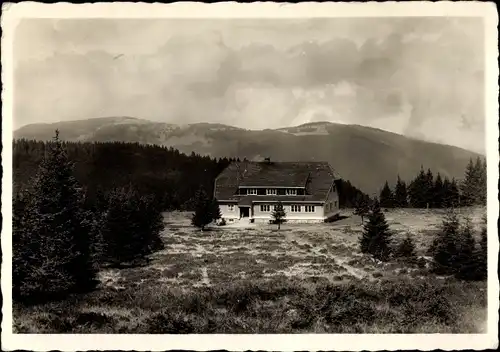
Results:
[404, 75]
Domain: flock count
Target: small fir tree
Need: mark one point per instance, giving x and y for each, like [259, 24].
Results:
[470, 186]
[131, 227]
[482, 253]
[362, 207]
[429, 188]
[206, 210]
[216, 212]
[465, 264]
[278, 215]
[418, 190]
[376, 238]
[444, 248]
[480, 170]
[386, 196]
[406, 249]
[400, 194]
[51, 238]
[438, 193]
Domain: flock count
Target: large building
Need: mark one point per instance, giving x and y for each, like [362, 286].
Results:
[250, 190]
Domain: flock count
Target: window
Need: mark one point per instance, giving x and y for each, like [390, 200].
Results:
[309, 208]
[291, 192]
[252, 191]
[265, 207]
[271, 191]
[335, 204]
[295, 208]
[230, 207]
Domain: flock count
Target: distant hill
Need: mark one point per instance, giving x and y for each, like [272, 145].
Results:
[365, 156]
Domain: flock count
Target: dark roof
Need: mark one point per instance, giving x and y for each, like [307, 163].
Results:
[275, 174]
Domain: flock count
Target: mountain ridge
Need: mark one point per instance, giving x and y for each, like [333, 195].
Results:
[364, 155]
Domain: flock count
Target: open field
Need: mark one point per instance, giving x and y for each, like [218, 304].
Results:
[303, 278]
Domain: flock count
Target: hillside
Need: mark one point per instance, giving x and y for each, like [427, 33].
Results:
[365, 156]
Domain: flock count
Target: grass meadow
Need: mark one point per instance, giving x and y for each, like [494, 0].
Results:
[305, 278]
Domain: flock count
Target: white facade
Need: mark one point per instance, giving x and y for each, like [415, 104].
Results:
[260, 211]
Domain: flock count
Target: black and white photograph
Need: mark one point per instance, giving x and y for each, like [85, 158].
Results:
[324, 176]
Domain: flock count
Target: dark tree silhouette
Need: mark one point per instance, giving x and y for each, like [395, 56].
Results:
[52, 236]
[400, 194]
[376, 238]
[386, 197]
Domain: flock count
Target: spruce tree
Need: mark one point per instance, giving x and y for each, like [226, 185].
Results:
[454, 194]
[444, 248]
[480, 170]
[470, 186]
[446, 201]
[376, 237]
[386, 196]
[131, 227]
[400, 194]
[362, 206]
[204, 210]
[466, 263]
[278, 215]
[428, 188]
[438, 193]
[51, 239]
[418, 190]
[406, 249]
[482, 253]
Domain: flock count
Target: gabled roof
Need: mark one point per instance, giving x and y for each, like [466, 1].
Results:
[275, 174]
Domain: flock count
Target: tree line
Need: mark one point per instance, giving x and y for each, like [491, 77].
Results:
[429, 191]
[455, 249]
[172, 177]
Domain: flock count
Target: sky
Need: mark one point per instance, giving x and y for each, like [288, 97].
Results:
[418, 76]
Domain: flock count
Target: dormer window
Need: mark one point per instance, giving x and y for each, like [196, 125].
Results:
[271, 191]
[252, 191]
[291, 192]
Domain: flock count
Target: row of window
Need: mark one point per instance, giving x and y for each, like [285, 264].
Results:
[272, 191]
[294, 208]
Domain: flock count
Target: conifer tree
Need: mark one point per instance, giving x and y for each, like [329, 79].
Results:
[376, 237]
[406, 249]
[131, 227]
[362, 206]
[278, 215]
[446, 193]
[400, 194]
[216, 213]
[438, 193]
[428, 188]
[454, 195]
[51, 238]
[480, 170]
[470, 186]
[204, 210]
[466, 261]
[444, 248]
[418, 190]
[482, 254]
[386, 196]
